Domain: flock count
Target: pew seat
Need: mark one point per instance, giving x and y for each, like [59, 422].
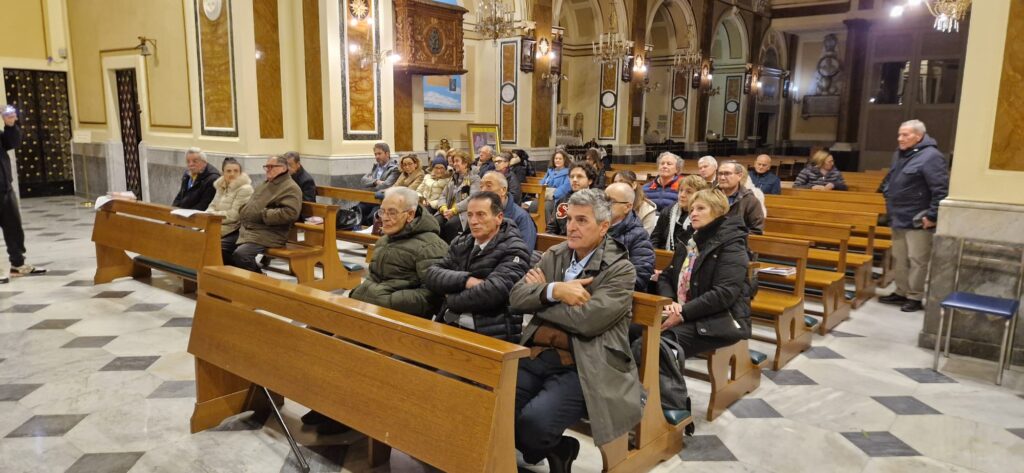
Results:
[317, 248]
[782, 310]
[831, 287]
[733, 372]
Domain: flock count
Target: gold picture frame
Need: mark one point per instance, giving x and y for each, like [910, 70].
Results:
[481, 134]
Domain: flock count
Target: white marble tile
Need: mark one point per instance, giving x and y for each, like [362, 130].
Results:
[858, 378]
[139, 425]
[117, 323]
[216, 452]
[758, 442]
[99, 391]
[37, 455]
[155, 341]
[912, 465]
[831, 409]
[174, 367]
[962, 442]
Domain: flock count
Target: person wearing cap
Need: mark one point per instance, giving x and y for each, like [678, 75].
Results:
[431, 189]
[10, 215]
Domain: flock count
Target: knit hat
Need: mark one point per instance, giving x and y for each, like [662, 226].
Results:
[438, 160]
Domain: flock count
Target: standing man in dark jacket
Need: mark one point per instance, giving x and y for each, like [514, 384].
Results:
[627, 229]
[300, 176]
[197, 189]
[479, 271]
[268, 216]
[10, 214]
[918, 180]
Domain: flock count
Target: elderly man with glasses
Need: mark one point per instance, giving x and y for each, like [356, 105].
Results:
[626, 228]
[742, 201]
[266, 219]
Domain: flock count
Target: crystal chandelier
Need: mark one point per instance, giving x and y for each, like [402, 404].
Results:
[494, 20]
[947, 13]
[611, 47]
[686, 61]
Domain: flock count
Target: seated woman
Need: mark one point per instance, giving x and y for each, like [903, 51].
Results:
[708, 281]
[664, 189]
[455, 197]
[595, 156]
[234, 188]
[645, 209]
[556, 180]
[820, 174]
[412, 172]
[433, 184]
[674, 228]
[581, 176]
[501, 164]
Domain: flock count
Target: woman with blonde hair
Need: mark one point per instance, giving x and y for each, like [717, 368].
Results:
[674, 228]
[820, 174]
[645, 209]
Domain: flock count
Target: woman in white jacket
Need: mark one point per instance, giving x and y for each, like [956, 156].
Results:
[234, 188]
[434, 183]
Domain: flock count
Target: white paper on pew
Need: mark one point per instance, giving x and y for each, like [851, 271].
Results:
[366, 230]
[778, 271]
[100, 202]
[186, 212]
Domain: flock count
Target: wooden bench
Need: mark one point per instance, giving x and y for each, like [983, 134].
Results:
[318, 247]
[352, 195]
[783, 310]
[537, 190]
[456, 415]
[826, 285]
[170, 243]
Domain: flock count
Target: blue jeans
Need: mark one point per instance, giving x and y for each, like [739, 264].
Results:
[549, 400]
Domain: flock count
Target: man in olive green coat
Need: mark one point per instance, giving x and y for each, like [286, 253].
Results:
[581, 296]
[411, 244]
[268, 216]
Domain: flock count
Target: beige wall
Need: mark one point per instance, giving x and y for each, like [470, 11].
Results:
[809, 51]
[479, 98]
[24, 29]
[971, 177]
[658, 101]
[580, 92]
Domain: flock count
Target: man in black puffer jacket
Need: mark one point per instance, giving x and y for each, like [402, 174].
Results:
[627, 229]
[479, 271]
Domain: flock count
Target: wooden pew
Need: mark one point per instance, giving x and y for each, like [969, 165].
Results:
[828, 283]
[538, 190]
[170, 243]
[319, 247]
[784, 310]
[352, 195]
[456, 415]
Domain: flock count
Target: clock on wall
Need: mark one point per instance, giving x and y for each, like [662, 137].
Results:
[212, 8]
[829, 66]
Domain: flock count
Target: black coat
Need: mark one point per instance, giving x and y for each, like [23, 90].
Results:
[681, 234]
[306, 183]
[631, 234]
[502, 263]
[201, 193]
[10, 139]
[557, 225]
[719, 292]
[917, 181]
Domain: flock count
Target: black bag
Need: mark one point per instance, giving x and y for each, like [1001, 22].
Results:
[348, 219]
[671, 383]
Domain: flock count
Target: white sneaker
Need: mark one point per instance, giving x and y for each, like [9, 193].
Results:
[26, 269]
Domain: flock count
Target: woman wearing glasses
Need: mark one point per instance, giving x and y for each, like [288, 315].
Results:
[464, 183]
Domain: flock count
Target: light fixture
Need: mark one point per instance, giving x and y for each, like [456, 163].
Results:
[686, 61]
[143, 46]
[640, 64]
[551, 80]
[494, 20]
[611, 47]
[544, 49]
[647, 87]
[948, 13]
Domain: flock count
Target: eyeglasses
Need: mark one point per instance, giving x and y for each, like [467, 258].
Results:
[390, 213]
[624, 203]
[725, 173]
[272, 166]
[499, 160]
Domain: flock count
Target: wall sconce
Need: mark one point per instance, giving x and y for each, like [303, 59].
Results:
[551, 80]
[752, 80]
[703, 77]
[544, 49]
[143, 46]
[368, 58]
[647, 87]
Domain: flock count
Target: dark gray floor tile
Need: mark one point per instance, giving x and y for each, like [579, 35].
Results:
[2, 360]
[6, 294]
[54, 324]
[880, 444]
[80, 283]
[905, 405]
[14, 392]
[130, 363]
[179, 322]
[753, 409]
[321, 459]
[51, 234]
[706, 448]
[59, 272]
[925, 375]
[47, 426]
[789, 378]
[24, 308]
[145, 307]
[67, 239]
[119, 462]
[112, 294]
[174, 389]
[838, 334]
[1017, 432]
[88, 342]
[822, 353]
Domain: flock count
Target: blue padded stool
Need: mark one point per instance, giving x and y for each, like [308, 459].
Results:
[1001, 307]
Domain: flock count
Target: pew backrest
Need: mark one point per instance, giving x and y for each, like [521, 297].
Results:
[352, 195]
[794, 251]
[831, 234]
[859, 220]
[537, 190]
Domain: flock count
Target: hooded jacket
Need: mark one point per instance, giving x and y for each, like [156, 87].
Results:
[268, 216]
[598, 331]
[918, 180]
[502, 262]
[431, 190]
[630, 232]
[557, 179]
[719, 291]
[229, 199]
[663, 195]
[200, 194]
[399, 266]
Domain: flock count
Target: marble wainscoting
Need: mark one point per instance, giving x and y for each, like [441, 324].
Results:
[627, 154]
[995, 274]
[90, 169]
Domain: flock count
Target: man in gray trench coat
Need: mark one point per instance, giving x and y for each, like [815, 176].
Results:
[580, 295]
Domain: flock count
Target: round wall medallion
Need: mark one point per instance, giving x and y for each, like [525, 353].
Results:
[508, 92]
[435, 42]
[679, 104]
[608, 99]
[732, 106]
[212, 8]
[358, 9]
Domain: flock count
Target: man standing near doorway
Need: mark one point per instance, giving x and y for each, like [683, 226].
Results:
[10, 215]
[917, 181]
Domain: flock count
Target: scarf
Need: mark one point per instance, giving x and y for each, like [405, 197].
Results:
[673, 219]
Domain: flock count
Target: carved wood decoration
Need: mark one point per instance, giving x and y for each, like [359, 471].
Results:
[428, 36]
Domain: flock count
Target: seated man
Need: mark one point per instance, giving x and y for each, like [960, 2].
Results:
[742, 201]
[581, 176]
[581, 296]
[707, 167]
[300, 176]
[479, 271]
[268, 216]
[763, 177]
[197, 189]
[382, 175]
[495, 182]
[627, 229]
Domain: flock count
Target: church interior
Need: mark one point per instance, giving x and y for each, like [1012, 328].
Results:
[131, 342]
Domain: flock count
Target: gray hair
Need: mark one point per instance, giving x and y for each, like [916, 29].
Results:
[679, 161]
[596, 200]
[196, 151]
[294, 156]
[917, 125]
[486, 148]
[280, 160]
[502, 181]
[708, 159]
[410, 199]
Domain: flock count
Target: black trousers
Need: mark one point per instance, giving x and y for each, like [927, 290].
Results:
[450, 228]
[240, 256]
[10, 223]
[549, 400]
[693, 344]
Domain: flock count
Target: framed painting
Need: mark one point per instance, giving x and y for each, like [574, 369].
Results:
[527, 50]
[481, 135]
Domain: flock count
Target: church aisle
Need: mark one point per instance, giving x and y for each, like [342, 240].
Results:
[97, 379]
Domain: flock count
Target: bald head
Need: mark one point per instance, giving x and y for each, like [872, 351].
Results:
[621, 196]
[763, 163]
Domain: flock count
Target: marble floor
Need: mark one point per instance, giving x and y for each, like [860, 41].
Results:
[96, 379]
